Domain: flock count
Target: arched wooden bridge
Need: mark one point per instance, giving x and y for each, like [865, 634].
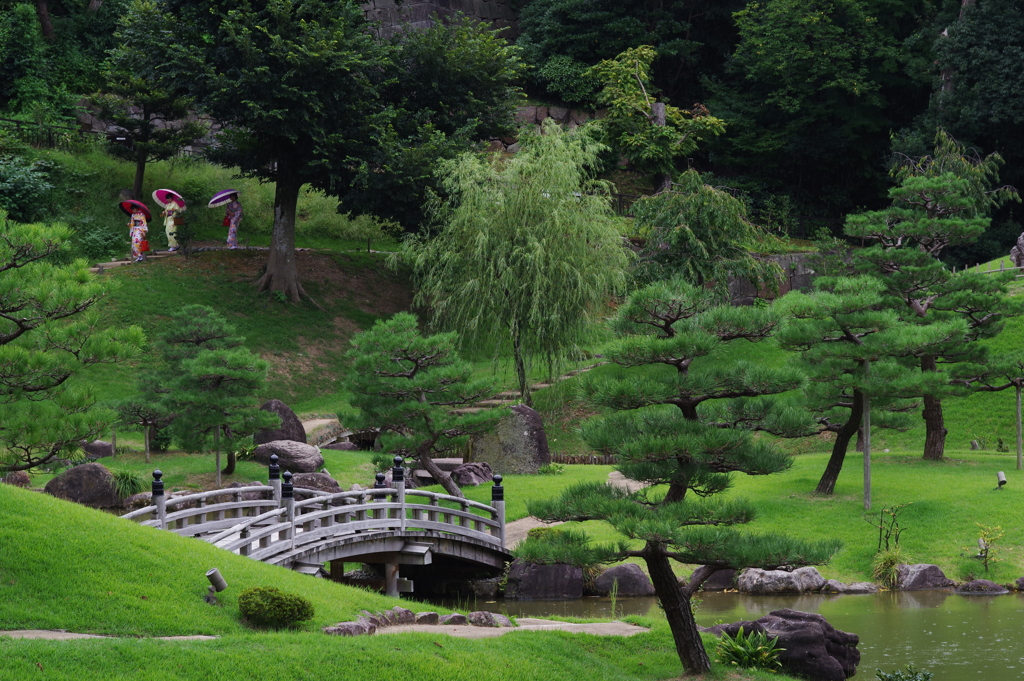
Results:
[391, 526]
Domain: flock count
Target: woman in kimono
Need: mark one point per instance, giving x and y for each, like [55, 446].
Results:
[231, 219]
[171, 211]
[139, 229]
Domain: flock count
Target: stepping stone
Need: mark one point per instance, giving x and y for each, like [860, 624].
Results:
[508, 395]
[540, 386]
[488, 404]
[468, 410]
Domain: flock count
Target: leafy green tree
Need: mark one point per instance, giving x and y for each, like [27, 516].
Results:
[527, 249]
[667, 432]
[49, 333]
[701, 234]
[939, 203]
[409, 386]
[852, 346]
[150, 116]
[650, 134]
[147, 415]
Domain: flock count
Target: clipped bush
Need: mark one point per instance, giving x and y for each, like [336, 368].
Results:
[268, 606]
[749, 651]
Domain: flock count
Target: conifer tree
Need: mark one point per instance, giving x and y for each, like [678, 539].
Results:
[853, 345]
[408, 386]
[939, 203]
[669, 371]
[49, 333]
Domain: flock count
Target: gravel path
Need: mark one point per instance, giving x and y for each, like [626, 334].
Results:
[615, 628]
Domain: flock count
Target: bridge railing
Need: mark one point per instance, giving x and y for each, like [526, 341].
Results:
[265, 521]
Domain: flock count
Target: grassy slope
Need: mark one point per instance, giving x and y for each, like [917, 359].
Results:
[110, 576]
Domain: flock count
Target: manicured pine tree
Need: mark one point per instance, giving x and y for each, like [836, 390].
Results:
[939, 203]
[853, 345]
[672, 364]
[409, 386]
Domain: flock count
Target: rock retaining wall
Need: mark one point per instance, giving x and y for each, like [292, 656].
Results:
[499, 14]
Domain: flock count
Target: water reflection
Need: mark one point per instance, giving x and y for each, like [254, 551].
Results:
[955, 637]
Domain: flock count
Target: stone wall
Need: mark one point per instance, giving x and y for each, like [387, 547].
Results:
[499, 13]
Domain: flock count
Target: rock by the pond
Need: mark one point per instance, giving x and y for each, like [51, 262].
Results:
[812, 648]
[482, 618]
[720, 580]
[427, 617]
[517, 445]
[836, 587]
[137, 501]
[1020, 583]
[297, 457]
[921, 576]
[454, 619]
[630, 579]
[341, 446]
[400, 615]
[981, 587]
[801, 580]
[472, 474]
[318, 481]
[360, 627]
[17, 479]
[90, 484]
[290, 428]
[97, 449]
[528, 581]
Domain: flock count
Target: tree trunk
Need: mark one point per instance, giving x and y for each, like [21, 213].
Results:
[43, 12]
[658, 118]
[827, 484]
[95, 5]
[442, 478]
[520, 362]
[216, 449]
[140, 173]
[676, 604]
[229, 469]
[935, 427]
[282, 273]
[147, 436]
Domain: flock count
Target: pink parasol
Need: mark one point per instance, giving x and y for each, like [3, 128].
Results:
[131, 206]
[221, 198]
[164, 196]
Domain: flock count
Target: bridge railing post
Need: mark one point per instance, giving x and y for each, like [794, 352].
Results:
[398, 478]
[275, 478]
[288, 502]
[378, 483]
[159, 500]
[498, 502]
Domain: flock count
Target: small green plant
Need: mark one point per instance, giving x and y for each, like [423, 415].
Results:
[551, 469]
[245, 450]
[1001, 446]
[749, 651]
[279, 296]
[889, 529]
[128, 482]
[911, 674]
[986, 544]
[381, 462]
[267, 606]
[885, 568]
[613, 596]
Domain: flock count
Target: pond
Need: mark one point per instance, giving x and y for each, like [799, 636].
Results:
[954, 637]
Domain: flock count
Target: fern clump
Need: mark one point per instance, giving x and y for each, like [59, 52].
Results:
[750, 651]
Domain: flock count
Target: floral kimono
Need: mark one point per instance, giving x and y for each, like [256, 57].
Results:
[232, 218]
[139, 229]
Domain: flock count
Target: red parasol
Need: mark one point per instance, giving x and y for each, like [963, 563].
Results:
[164, 196]
[131, 206]
[221, 198]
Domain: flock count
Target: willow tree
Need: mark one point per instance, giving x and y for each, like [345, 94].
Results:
[527, 250]
[666, 431]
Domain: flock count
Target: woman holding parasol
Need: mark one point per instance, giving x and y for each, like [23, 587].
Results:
[173, 205]
[233, 216]
[138, 217]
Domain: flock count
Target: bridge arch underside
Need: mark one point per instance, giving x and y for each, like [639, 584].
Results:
[427, 556]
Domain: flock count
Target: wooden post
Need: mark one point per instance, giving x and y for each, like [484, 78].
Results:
[275, 478]
[288, 501]
[159, 499]
[391, 579]
[398, 479]
[145, 437]
[867, 442]
[498, 502]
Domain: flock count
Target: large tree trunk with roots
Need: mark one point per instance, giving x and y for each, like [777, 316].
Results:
[282, 273]
[935, 426]
[520, 362]
[676, 603]
[827, 484]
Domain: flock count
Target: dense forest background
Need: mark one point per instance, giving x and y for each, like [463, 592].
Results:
[819, 97]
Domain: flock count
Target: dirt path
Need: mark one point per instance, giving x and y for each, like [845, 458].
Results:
[615, 628]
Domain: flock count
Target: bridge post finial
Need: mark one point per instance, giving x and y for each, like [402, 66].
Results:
[498, 502]
[398, 479]
[378, 484]
[275, 477]
[287, 489]
[288, 501]
[159, 499]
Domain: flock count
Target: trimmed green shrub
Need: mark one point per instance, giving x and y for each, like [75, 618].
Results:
[755, 651]
[267, 606]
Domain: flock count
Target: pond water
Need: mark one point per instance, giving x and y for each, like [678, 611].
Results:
[954, 637]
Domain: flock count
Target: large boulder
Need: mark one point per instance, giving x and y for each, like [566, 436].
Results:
[922, 576]
[472, 474]
[17, 479]
[97, 449]
[89, 484]
[630, 579]
[517, 445]
[801, 580]
[317, 481]
[528, 581]
[812, 648]
[291, 427]
[297, 457]
[720, 580]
